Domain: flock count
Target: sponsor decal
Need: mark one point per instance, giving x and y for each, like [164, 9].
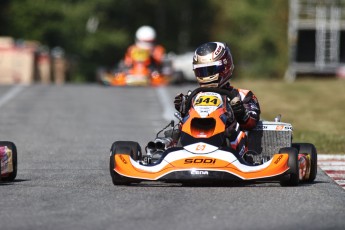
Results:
[278, 159]
[279, 127]
[200, 147]
[207, 101]
[217, 52]
[242, 150]
[140, 55]
[200, 161]
[123, 159]
[197, 172]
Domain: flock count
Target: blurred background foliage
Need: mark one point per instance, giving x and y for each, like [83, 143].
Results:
[97, 32]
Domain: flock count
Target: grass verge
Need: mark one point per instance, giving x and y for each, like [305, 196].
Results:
[314, 107]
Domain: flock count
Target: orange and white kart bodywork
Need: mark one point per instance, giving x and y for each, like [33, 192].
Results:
[8, 161]
[138, 75]
[201, 155]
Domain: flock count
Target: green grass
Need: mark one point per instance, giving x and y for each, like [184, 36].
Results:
[314, 107]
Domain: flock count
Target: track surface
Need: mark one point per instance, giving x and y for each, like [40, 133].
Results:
[63, 135]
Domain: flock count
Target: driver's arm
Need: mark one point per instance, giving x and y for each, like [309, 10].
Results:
[128, 60]
[246, 108]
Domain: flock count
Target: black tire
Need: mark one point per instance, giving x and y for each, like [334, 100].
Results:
[309, 149]
[130, 148]
[13, 147]
[294, 167]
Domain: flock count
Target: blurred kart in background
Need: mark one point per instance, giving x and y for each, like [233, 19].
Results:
[176, 69]
[138, 75]
[8, 161]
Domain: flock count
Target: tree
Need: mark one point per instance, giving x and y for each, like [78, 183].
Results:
[256, 30]
[97, 32]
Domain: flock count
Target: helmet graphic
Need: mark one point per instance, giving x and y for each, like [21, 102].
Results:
[212, 64]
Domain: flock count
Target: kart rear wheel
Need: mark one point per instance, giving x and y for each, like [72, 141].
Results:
[135, 149]
[310, 150]
[11, 176]
[293, 165]
[130, 148]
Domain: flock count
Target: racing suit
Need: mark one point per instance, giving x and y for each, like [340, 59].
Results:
[248, 118]
[151, 58]
[246, 114]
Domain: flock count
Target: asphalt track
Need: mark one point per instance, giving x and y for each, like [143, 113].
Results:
[63, 135]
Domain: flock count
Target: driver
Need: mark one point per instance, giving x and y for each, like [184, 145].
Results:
[213, 67]
[145, 50]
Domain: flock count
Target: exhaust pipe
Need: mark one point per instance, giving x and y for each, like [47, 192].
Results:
[151, 146]
[163, 143]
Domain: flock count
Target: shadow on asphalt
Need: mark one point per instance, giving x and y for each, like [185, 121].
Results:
[208, 185]
[2, 183]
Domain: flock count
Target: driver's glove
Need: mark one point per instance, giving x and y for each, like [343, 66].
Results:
[179, 99]
[239, 110]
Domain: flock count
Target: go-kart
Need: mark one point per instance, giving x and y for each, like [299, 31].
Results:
[142, 72]
[138, 75]
[199, 151]
[8, 161]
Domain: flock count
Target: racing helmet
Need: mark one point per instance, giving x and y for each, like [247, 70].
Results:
[145, 36]
[212, 64]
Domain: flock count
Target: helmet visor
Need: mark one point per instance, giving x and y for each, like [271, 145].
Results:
[209, 69]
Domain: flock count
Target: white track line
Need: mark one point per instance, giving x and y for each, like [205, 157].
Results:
[332, 167]
[11, 94]
[330, 156]
[332, 163]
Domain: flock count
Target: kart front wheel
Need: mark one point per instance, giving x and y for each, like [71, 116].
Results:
[130, 148]
[12, 175]
[293, 167]
[310, 150]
